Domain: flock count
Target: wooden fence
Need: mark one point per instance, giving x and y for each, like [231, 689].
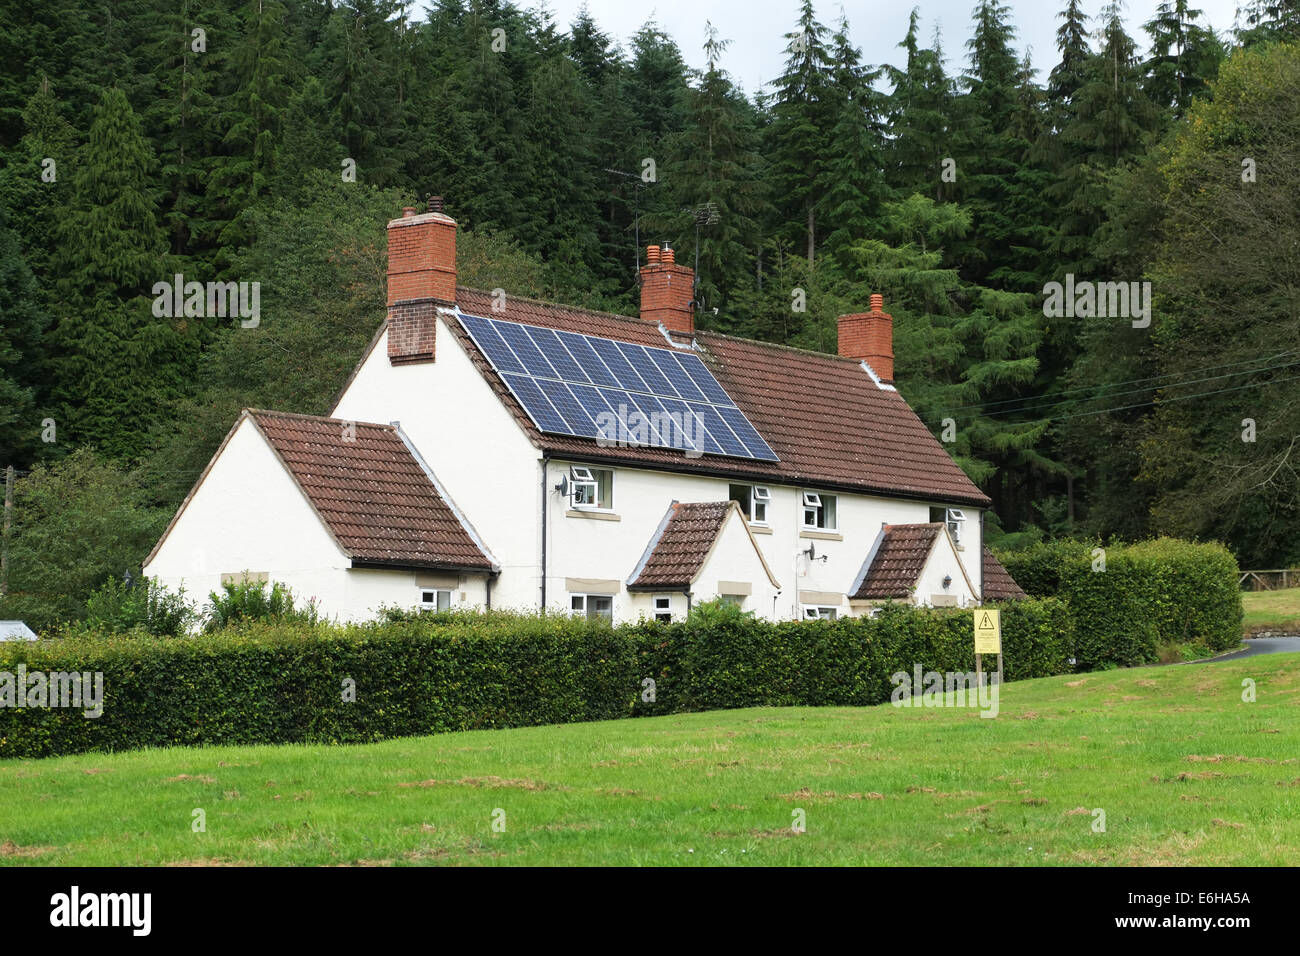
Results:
[1269, 580]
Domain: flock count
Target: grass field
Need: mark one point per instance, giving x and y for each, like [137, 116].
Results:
[1186, 772]
[1277, 610]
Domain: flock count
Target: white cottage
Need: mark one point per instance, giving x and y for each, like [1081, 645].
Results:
[527, 455]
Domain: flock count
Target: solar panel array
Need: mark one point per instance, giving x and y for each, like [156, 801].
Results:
[616, 392]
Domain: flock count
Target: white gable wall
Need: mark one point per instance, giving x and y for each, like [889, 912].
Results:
[943, 562]
[249, 515]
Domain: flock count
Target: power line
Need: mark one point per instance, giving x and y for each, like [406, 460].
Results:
[1030, 409]
[1086, 388]
[1163, 401]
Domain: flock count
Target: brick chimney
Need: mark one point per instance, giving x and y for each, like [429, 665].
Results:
[869, 337]
[667, 291]
[421, 277]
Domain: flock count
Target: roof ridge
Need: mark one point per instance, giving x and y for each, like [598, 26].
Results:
[317, 418]
[642, 322]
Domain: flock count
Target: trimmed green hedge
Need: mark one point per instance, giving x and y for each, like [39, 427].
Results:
[285, 683]
[1163, 591]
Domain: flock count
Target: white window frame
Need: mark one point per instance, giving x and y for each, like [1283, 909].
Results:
[820, 612]
[663, 608]
[955, 519]
[759, 496]
[427, 604]
[585, 477]
[815, 502]
[580, 605]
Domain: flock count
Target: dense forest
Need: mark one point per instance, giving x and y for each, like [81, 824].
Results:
[268, 141]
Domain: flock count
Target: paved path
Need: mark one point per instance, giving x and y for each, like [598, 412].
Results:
[1260, 645]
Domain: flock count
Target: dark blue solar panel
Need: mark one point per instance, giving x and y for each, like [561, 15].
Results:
[639, 358]
[517, 338]
[676, 375]
[704, 379]
[746, 432]
[616, 392]
[615, 361]
[580, 348]
[493, 346]
[550, 345]
[536, 404]
[570, 409]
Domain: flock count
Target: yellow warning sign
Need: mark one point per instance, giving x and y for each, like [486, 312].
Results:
[988, 631]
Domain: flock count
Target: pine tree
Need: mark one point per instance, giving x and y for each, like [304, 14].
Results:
[920, 120]
[22, 358]
[1184, 57]
[803, 116]
[711, 181]
[115, 363]
[852, 178]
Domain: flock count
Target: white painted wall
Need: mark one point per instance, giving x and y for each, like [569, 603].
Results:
[943, 562]
[248, 514]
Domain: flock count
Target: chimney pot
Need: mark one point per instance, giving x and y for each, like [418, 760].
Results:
[408, 212]
[667, 255]
[877, 303]
[652, 254]
[435, 204]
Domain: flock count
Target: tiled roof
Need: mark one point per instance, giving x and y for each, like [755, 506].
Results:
[372, 494]
[900, 557]
[827, 421]
[998, 583]
[683, 541]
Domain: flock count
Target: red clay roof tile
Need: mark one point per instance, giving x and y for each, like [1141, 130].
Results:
[998, 583]
[898, 562]
[371, 492]
[683, 544]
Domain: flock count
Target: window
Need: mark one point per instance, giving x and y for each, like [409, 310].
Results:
[956, 519]
[736, 599]
[592, 488]
[813, 612]
[664, 609]
[592, 606]
[819, 511]
[434, 599]
[753, 501]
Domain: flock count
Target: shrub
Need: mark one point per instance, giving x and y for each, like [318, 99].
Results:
[149, 606]
[1159, 592]
[287, 681]
[251, 601]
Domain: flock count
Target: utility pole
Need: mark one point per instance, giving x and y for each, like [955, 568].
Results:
[4, 539]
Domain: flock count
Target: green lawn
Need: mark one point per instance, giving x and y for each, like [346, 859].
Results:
[1276, 610]
[1186, 772]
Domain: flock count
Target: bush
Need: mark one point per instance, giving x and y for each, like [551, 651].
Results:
[251, 601]
[290, 681]
[1155, 593]
[148, 606]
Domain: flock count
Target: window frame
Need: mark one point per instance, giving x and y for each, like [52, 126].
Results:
[587, 476]
[813, 612]
[820, 505]
[663, 608]
[586, 609]
[435, 605]
[955, 520]
[759, 495]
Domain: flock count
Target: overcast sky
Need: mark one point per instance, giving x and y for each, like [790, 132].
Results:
[756, 27]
